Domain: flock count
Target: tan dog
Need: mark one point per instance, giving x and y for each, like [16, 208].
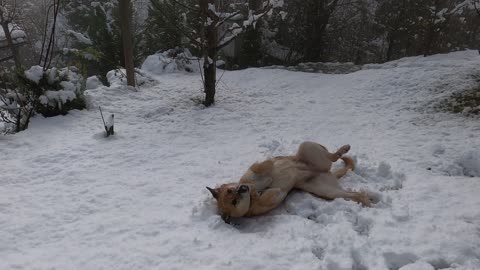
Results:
[265, 185]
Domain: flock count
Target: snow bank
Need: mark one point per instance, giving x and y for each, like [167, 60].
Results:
[93, 82]
[419, 265]
[118, 78]
[174, 60]
[469, 164]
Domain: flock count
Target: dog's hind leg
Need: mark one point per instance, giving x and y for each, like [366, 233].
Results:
[318, 157]
[340, 152]
[349, 165]
[326, 186]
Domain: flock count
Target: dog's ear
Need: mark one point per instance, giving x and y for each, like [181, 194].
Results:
[214, 192]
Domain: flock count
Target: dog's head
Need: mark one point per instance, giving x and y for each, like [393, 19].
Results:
[233, 199]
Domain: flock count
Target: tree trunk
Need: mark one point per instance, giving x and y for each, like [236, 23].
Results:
[428, 41]
[210, 73]
[15, 55]
[125, 20]
[390, 46]
[209, 55]
[430, 38]
[319, 14]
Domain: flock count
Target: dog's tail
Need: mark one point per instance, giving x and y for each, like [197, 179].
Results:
[349, 165]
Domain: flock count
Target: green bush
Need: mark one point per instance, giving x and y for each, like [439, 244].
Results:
[55, 91]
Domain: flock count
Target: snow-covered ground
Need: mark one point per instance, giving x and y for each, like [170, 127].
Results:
[72, 199]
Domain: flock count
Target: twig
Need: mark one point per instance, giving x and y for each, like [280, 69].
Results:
[201, 74]
[103, 119]
[44, 37]
[219, 79]
[224, 20]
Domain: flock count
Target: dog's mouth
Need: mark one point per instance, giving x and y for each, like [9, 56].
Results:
[241, 193]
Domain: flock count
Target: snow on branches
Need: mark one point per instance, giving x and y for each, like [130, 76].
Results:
[253, 17]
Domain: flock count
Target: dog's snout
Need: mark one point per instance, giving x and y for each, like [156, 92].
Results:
[242, 189]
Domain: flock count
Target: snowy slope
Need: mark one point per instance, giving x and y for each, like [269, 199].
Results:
[72, 199]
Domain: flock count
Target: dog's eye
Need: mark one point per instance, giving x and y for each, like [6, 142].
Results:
[234, 202]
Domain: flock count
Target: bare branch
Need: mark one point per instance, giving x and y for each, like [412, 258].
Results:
[44, 37]
[458, 7]
[51, 43]
[224, 20]
[186, 7]
[224, 41]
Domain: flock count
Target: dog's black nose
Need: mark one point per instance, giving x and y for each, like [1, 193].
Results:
[242, 189]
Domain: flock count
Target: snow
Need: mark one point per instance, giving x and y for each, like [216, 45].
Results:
[209, 21]
[18, 35]
[469, 162]
[72, 199]
[80, 37]
[211, 7]
[276, 3]
[35, 73]
[117, 78]
[58, 97]
[109, 122]
[93, 82]
[174, 60]
[417, 266]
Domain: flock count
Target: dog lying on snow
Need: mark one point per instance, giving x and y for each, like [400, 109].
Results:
[266, 184]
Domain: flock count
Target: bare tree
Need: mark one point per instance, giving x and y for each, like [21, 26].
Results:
[8, 13]
[216, 31]
[125, 21]
[212, 42]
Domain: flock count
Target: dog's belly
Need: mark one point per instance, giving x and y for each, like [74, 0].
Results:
[287, 173]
